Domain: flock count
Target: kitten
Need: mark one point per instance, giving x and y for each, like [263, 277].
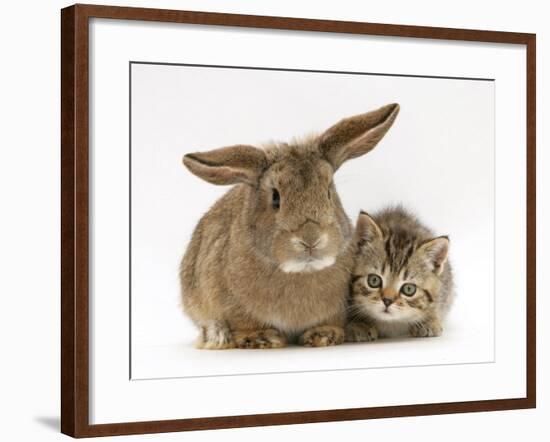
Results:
[402, 283]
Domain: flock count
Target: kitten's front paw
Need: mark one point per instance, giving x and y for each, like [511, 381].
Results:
[269, 338]
[322, 336]
[426, 330]
[361, 332]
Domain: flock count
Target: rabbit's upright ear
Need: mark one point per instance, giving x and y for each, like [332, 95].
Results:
[357, 135]
[228, 165]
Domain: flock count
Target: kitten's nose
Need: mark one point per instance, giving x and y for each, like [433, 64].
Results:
[387, 301]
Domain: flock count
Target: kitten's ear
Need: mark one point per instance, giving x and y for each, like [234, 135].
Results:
[228, 165]
[436, 251]
[357, 135]
[366, 228]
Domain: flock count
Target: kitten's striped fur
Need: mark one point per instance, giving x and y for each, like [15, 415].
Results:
[393, 249]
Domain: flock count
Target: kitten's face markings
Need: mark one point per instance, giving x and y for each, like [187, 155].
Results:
[389, 284]
[396, 272]
[389, 297]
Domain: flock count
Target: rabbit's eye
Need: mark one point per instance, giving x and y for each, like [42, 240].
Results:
[276, 199]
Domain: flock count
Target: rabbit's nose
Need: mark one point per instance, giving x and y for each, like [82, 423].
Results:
[314, 242]
[310, 233]
[310, 246]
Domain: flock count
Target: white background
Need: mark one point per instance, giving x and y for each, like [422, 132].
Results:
[438, 160]
[30, 228]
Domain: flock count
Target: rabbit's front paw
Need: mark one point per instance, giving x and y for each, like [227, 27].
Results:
[215, 336]
[268, 338]
[322, 336]
[426, 329]
[361, 332]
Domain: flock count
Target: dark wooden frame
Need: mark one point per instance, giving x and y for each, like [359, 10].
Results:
[74, 219]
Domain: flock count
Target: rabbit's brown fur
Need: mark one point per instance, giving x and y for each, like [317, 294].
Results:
[272, 258]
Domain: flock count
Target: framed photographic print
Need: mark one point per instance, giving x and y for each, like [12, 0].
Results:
[272, 220]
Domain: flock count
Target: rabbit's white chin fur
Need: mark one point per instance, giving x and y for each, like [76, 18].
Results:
[306, 266]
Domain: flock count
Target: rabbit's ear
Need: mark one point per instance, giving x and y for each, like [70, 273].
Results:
[355, 136]
[228, 165]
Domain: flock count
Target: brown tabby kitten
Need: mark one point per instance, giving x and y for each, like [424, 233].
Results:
[402, 282]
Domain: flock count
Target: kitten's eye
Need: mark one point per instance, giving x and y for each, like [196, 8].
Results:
[276, 199]
[374, 281]
[408, 289]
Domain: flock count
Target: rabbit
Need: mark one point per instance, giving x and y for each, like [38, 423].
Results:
[270, 261]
